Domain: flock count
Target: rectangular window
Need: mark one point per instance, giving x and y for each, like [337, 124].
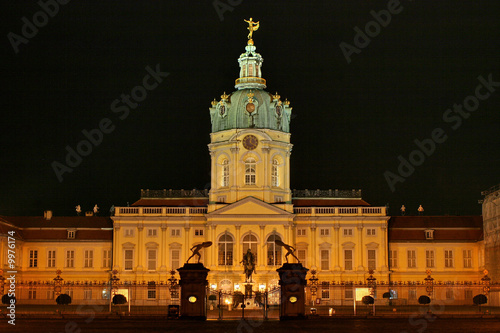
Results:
[50, 294]
[325, 290]
[250, 171]
[393, 259]
[467, 258]
[370, 232]
[152, 232]
[429, 234]
[88, 259]
[412, 258]
[129, 260]
[152, 260]
[347, 232]
[70, 259]
[429, 258]
[69, 292]
[301, 254]
[449, 294]
[198, 232]
[324, 232]
[151, 290]
[106, 258]
[301, 232]
[87, 294]
[51, 258]
[348, 260]
[32, 294]
[129, 232]
[448, 258]
[372, 262]
[176, 257]
[412, 294]
[175, 232]
[33, 258]
[325, 260]
[468, 293]
[348, 294]
[71, 234]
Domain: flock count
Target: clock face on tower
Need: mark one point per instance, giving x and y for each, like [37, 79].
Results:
[250, 142]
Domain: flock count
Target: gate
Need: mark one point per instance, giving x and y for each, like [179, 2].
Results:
[236, 305]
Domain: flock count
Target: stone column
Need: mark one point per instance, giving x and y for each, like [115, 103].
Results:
[116, 248]
[163, 248]
[262, 258]
[313, 246]
[187, 242]
[337, 247]
[140, 255]
[383, 253]
[360, 249]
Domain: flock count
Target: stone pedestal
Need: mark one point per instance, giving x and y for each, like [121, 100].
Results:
[292, 282]
[193, 283]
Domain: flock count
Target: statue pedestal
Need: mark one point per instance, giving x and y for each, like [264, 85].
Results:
[292, 282]
[193, 283]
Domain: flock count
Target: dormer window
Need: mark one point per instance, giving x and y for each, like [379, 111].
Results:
[429, 234]
[71, 234]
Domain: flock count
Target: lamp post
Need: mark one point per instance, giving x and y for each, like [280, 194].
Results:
[113, 284]
[429, 283]
[57, 283]
[372, 284]
[314, 285]
[485, 280]
[172, 284]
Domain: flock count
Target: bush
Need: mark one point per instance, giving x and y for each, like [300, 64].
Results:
[63, 299]
[367, 300]
[119, 299]
[424, 299]
[6, 299]
[480, 299]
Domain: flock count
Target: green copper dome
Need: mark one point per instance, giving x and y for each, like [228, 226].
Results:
[250, 106]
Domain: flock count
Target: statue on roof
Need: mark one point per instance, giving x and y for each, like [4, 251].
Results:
[96, 209]
[78, 209]
[252, 26]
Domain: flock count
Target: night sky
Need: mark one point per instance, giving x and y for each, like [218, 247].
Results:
[350, 121]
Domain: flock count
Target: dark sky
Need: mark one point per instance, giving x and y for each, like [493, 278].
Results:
[350, 121]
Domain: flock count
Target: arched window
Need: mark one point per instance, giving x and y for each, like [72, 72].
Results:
[226, 250]
[250, 70]
[273, 251]
[250, 166]
[225, 173]
[250, 242]
[275, 177]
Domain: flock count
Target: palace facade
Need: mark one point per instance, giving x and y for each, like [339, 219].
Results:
[338, 236]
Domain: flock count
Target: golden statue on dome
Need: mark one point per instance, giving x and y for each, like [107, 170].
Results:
[252, 26]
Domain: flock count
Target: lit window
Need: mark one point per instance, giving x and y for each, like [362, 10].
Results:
[151, 290]
[325, 260]
[412, 259]
[448, 258]
[348, 262]
[372, 263]
[226, 250]
[273, 250]
[129, 260]
[106, 258]
[325, 290]
[429, 258]
[51, 259]
[467, 258]
[275, 174]
[151, 259]
[70, 259]
[88, 259]
[225, 173]
[324, 232]
[250, 166]
[33, 258]
[393, 259]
